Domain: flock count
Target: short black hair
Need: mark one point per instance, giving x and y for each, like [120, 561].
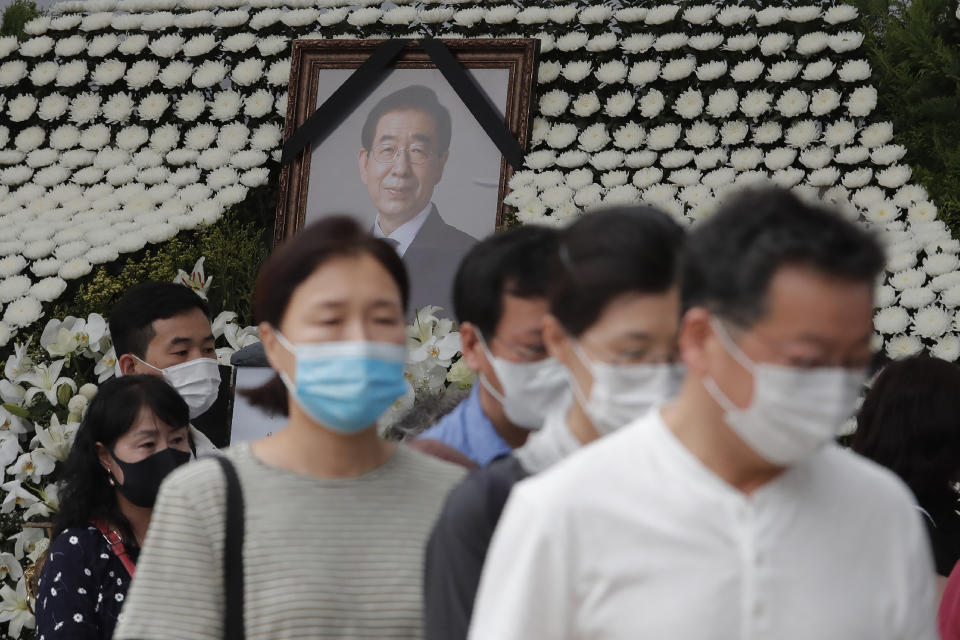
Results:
[415, 97]
[732, 256]
[131, 320]
[608, 253]
[517, 262]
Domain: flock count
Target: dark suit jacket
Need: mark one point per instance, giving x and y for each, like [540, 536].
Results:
[432, 260]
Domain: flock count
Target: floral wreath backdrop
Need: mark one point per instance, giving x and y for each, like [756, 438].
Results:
[123, 123]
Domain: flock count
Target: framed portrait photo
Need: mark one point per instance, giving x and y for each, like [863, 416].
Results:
[408, 159]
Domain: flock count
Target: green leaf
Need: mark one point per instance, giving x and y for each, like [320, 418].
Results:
[17, 410]
[64, 393]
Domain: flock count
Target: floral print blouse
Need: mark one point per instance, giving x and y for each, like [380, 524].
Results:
[81, 589]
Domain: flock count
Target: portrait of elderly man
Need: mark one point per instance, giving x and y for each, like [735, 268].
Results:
[406, 143]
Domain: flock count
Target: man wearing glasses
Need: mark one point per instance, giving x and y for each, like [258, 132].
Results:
[406, 142]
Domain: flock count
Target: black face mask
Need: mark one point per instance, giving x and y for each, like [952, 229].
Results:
[141, 480]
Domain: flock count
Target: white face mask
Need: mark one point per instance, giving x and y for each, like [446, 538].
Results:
[197, 381]
[530, 389]
[622, 393]
[793, 411]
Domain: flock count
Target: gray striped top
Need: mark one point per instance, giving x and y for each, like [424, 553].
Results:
[324, 558]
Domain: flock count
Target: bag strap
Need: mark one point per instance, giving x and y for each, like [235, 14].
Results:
[233, 588]
[113, 538]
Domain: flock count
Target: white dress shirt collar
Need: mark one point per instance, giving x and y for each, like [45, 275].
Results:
[405, 233]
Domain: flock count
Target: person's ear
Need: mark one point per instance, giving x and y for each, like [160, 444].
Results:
[471, 348]
[128, 364]
[105, 459]
[441, 164]
[277, 355]
[362, 163]
[556, 340]
[695, 334]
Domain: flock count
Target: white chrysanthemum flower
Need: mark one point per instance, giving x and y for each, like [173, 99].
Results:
[661, 14]
[256, 177]
[705, 41]
[44, 73]
[266, 137]
[746, 159]
[733, 132]
[176, 74]
[555, 196]
[21, 108]
[823, 177]
[734, 14]
[611, 72]
[231, 19]
[12, 72]
[118, 108]
[190, 106]
[102, 45]
[741, 43]
[212, 158]
[755, 103]
[258, 104]
[35, 47]
[8, 44]
[585, 105]
[529, 16]
[723, 103]
[602, 42]
[637, 43]
[779, 158]
[719, 178]
[816, 157]
[14, 287]
[887, 154]
[53, 106]
[801, 134]
[876, 134]
[226, 105]
[304, 17]
[133, 44]
[11, 265]
[939, 264]
[924, 211]
[882, 211]
[663, 137]
[903, 346]
[572, 41]
[589, 195]
[700, 14]
[142, 73]
[787, 178]
[279, 73]
[644, 72]
[676, 158]
[854, 71]
[43, 268]
[783, 71]
[23, 312]
[247, 72]
[678, 69]
[951, 297]
[108, 72]
[931, 322]
[640, 159]
[555, 102]
[561, 135]
[947, 348]
[167, 46]
[609, 180]
[620, 104]
[792, 102]
[824, 101]
[29, 139]
[775, 43]
[133, 137]
[200, 137]
[946, 281]
[75, 158]
[803, 14]
[48, 289]
[76, 268]
[152, 107]
[811, 43]
[689, 104]
[767, 133]
[840, 13]
[862, 101]
[670, 41]
[547, 72]
[711, 70]
[607, 160]
[846, 41]
[576, 70]
[884, 296]
[628, 14]
[908, 279]
[839, 133]
[269, 46]
[747, 71]
[624, 194]
[701, 134]
[209, 73]
[157, 21]
[894, 176]
[199, 45]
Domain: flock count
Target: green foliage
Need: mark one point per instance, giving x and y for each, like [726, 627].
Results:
[914, 47]
[15, 16]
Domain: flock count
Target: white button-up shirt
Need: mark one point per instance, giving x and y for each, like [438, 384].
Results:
[405, 234]
[633, 538]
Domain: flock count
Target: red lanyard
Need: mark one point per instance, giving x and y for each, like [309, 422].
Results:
[116, 545]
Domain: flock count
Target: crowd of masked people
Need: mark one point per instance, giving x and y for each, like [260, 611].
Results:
[650, 450]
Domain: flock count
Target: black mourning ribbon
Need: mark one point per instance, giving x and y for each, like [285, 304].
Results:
[369, 74]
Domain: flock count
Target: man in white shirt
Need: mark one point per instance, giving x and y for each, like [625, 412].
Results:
[730, 513]
[406, 143]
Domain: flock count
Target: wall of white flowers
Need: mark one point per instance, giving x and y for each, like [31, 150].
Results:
[124, 122]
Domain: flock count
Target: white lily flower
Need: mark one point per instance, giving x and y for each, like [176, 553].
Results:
[106, 365]
[15, 496]
[31, 541]
[15, 609]
[56, 439]
[32, 466]
[220, 322]
[10, 392]
[9, 567]
[63, 338]
[239, 338]
[439, 350]
[19, 363]
[45, 379]
[196, 279]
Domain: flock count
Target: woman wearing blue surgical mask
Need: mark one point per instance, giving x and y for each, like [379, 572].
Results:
[133, 435]
[334, 519]
[614, 314]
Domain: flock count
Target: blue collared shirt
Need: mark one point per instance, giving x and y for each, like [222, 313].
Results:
[468, 430]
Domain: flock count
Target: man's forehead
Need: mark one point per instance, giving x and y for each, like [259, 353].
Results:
[402, 121]
[193, 324]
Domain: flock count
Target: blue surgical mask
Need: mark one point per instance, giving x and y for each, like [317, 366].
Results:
[346, 386]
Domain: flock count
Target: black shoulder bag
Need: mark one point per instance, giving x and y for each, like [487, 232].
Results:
[233, 627]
